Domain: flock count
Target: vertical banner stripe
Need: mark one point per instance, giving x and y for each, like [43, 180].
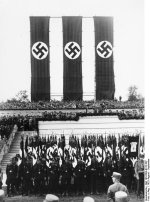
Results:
[72, 54]
[104, 71]
[40, 75]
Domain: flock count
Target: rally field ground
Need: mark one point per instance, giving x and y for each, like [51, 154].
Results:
[98, 198]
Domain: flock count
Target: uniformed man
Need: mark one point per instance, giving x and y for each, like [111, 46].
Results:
[108, 170]
[11, 172]
[53, 177]
[100, 187]
[27, 177]
[115, 164]
[117, 186]
[128, 173]
[18, 183]
[79, 172]
[66, 173]
[38, 177]
[45, 176]
[93, 175]
[139, 174]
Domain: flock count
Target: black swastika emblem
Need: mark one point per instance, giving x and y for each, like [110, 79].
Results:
[104, 49]
[72, 50]
[40, 50]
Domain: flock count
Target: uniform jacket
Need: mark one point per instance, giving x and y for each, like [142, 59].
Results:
[114, 188]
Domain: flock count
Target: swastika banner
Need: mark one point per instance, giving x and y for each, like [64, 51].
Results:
[104, 72]
[72, 54]
[40, 74]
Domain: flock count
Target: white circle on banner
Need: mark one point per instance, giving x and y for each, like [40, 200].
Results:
[40, 50]
[72, 50]
[104, 49]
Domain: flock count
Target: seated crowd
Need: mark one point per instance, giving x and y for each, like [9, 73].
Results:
[55, 104]
[50, 165]
[6, 126]
[30, 122]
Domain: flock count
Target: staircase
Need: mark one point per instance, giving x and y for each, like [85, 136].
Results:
[14, 149]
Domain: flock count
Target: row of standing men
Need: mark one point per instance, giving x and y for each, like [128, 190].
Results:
[71, 176]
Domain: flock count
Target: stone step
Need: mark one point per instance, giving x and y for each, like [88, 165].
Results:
[14, 148]
[15, 151]
[9, 154]
[15, 143]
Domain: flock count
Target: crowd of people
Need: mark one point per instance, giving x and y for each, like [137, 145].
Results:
[75, 166]
[30, 122]
[50, 165]
[6, 126]
[55, 104]
[131, 114]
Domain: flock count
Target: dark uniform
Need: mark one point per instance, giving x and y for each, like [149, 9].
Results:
[79, 172]
[11, 172]
[66, 173]
[100, 178]
[128, 173]
[114, 188]
[20, 176]
[18, 182]
[38, 178]
[93, 174]
[115, 165]
[53, 177]
[117, 186]
[45, 176]
[108, 171]
[27, 178]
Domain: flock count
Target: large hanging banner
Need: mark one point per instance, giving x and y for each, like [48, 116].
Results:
[104, 72]
[72, 54]
[40, 76]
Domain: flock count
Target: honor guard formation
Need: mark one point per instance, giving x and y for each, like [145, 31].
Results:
[87, 166]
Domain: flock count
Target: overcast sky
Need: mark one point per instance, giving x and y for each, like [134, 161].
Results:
[15, 69]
